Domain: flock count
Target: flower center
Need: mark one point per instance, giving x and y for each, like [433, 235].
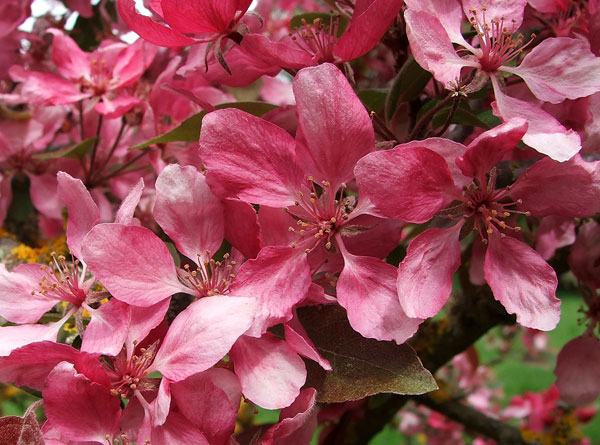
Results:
[211, 277]
[319, 215]
[318, 39]
[128, 375]
[63, 281]
[496, 42]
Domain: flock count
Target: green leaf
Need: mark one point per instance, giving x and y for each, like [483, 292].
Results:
[189, 129]
[463, 116]
[374, 100]
[310, 17]
[407, 86]
[76, 151]
[361, 367]
[488, 117]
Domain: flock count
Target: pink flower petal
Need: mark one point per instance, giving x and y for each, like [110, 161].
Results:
[242, 229]
[366, 288]
[143, 320]
[13, 337]
[132, 62]
[577, 376]
[510, 12]
[424, 279]
[549, 71]
[268, 359]
[150, 30]
[490, 147]
[448, 12]
[46, 89]
[337, 127]
[432, 48]
[215, 323]
[249, 158]
[267, 280]
[544, 133]
[188, 212]
[199, 16]
[523, 282]
[127, 208]
[297, 339]
[43, 194]
[112, 108]
[367, 27]
[106, 332]
[409, 183]
[285, 53]
[132, 263]
[67, 392]
[584, 255]
[553, 233]
[17, 304]
[210, 400]
[297, 422]
[83, 211]
[570, 188]
[71, 61]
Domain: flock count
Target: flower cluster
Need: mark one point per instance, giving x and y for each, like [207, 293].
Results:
[269, 203]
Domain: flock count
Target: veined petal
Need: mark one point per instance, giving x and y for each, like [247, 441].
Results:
[424, 279]
[132, 263]
[127, 208]
[199, 16]
[242, 229]
[188, 212]
[249, 158]
[570, 188]
[510, 12]
[215, 324]
[366, 288]
[448, 12]
[268, 359]
[544, 133]
[297, 422]
[577, 378]
[549, 71]
[45, 88]
[284, 54]
[336, 127]
[150, 30]
[522, 281]
[107, 329]
[83, 211]
[432, 48]
[409, 183]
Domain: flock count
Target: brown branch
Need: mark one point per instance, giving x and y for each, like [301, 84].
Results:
[475, 421]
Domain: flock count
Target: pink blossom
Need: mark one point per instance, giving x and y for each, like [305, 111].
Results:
[400, 187]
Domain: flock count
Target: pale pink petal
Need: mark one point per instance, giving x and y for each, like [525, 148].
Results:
[249, 158]
[112, 108]
[577, 373]
[161, 405]
[97, 411]
[409, 183]
[523, 282]
[188, 212]
[13, 337]
[72, 62]
[210, 400]
[19, 300]
[143, 320]
[44, 196]
[366, 28]
[242, 229]
[448, 12]
[337, 127]
[549, 71]
[297, 422]
[490, 147]
[132, 62]
[215, 323]
[150, 30]
[127, 208]
[432, 48]
[544, 133]
[297, 339]
[509, 11]
[83, 211]
[107, 329]
[46, 89]
[132, 263]
[177, 430]
[553, 233]
[267, 280]
[366, 288]
[570, 188]
[268, 359]
[425, 275]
